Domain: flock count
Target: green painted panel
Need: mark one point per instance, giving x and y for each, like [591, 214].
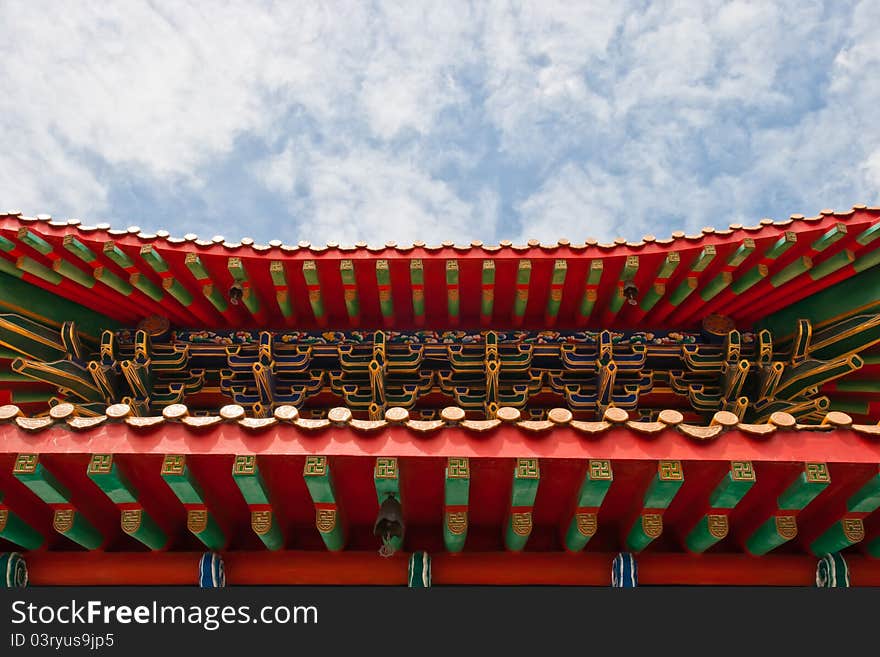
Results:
[16, 530]
[805, 487]
[77, 528]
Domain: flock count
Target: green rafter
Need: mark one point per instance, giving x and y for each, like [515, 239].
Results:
[487, 303]
[724, 278]
[247, 476]
[554, 300]
[386, 300]
[452, 291]
[249, 296]
[417, 282]
[350, 291]
[630, 269]
[591, 290]
[197, 269]
[313, 284]
[169, 283]
[658, 289]
[523, 276]
[282, 292]
[135, 521]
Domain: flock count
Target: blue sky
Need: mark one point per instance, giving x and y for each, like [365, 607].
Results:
[433, 121]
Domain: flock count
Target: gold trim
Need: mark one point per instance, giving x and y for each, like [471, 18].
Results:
[325, 520]
[130, 520]
[197, 520]
[62, 520]
[261, 522]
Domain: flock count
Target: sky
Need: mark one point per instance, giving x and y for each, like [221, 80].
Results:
[407, 121]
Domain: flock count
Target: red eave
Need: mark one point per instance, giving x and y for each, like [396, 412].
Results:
[745, 309]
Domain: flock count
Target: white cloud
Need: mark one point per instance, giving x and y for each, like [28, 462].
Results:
[355, 194]
[401, 121]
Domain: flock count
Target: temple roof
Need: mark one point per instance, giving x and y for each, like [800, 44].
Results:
[744, 272]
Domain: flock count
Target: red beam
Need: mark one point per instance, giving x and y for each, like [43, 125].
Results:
[358, 568]
[837, 446]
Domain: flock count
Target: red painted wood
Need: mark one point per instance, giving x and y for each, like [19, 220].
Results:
[651, 255]
[839, 445]
[585, 569]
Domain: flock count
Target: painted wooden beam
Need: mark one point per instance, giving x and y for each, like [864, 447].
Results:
[386, 299]
[15, 530]
[60, 266]
[675, 298]
[713, 525]
[134, 520]
[386, 479]
[628, 273]
[487, 303]
[350, 291]
[831, 236]
[315, 567]
[249, 296]
[526, 478]
[455, 503]
[316, 298]
[584, 520]
[554, 300]
[661, 278]
[328, 521]
[781, 527]
[417, 282]
[264, 522]
[453, 293]
[67, 520]
[591, 291]
[173, 286]
[850, 529]
[199, 519]
[725, 276]
[34, 268]
[521, 300]
[282, 290]
[197, 269]
[661, 491]
[136, 278]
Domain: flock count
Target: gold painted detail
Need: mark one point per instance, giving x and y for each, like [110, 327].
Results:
[652, 525]
[587, 523]
[197, 520]
[386, 468]
[521, 523]
[130, 521]
[527, 469]
[261, 522]
[786, 527]
[458, 468]
[853, 529]
[316, 466]
[670, 471]
[244, 464]
[742, 471]
[600, 470]
[62, 521]
[25, 464]
[456, 522]
[325, 520]
[101, 464]
[817, 473]
[4, 518]
[718, 526]
[173, 464]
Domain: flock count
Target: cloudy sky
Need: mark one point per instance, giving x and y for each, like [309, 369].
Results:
[406, 121]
